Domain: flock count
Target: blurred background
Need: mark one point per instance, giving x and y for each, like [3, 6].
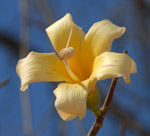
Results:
[32, 113]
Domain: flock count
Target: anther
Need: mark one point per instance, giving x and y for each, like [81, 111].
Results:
[66, 53]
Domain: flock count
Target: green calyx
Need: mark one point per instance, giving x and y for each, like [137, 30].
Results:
[93, 101]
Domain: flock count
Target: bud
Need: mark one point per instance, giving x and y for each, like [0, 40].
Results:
[93, 101]
[66, 53]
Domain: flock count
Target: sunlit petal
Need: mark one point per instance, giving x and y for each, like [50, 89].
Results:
[71, 100]
[59, 34]
[111, 65]
[98, 40]
[40, 67]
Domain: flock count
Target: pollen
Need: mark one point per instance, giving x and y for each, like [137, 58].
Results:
[66, 53]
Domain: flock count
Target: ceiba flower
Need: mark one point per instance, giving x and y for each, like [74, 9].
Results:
[81, 60]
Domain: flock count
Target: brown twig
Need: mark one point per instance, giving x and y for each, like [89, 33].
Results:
[24, 40]
[122, 129]
[13, 44]
[99, 120]
[46, 11]
[4, 82]
[129, 120]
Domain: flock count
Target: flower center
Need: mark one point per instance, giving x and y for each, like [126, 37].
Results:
[66, 54]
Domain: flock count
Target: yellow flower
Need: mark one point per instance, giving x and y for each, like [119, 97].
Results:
[82, 60]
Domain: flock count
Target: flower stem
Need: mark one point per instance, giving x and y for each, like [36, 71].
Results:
[4, 82]
[99, 120]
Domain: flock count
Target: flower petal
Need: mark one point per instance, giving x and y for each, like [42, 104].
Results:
[98, 40]
[59, 32]
[38, 67]
[71, 100]
[111, 65]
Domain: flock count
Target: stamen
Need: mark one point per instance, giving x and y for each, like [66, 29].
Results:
[69, 39]
[71, 74]
[66, 54]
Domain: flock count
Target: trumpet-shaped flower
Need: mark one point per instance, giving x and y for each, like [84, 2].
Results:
[82, 60]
